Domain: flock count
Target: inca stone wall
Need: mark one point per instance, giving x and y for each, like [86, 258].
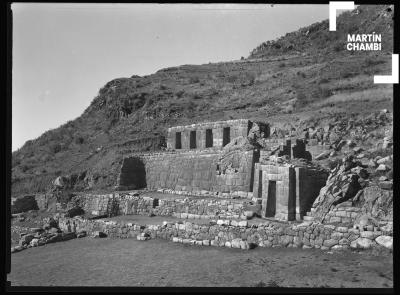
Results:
[234, 234]
[210, 135]
[191, 171]
[277, 187]
[287, 191]
[191, 208]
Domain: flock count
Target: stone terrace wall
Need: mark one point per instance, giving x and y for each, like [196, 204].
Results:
[126, 204]
[235, 234]
[192, 171]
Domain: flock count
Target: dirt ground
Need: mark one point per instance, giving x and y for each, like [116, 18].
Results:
[119, 262]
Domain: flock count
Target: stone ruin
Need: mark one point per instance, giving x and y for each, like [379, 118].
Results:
[247, 173]
[229, 159]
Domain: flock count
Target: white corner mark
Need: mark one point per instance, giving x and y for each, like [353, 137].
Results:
[335, 5]
[394, 78]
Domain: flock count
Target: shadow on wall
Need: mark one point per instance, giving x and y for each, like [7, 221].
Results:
[132, 175]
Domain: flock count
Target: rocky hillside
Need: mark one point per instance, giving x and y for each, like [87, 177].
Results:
[317, 38]
[305, 78]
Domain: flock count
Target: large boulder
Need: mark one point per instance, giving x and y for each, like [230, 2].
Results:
[342, 185]
[385, 241]
[62, 182]
[34, 242]
[239, 143]
[24, 204]
[363, 243]
[81, 234]
[26, 239]
[377, 202]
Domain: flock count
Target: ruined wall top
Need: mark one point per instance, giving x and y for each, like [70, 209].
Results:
[210, 125]
[208, 135]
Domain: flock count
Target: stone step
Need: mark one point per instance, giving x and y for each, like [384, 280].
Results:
[308, 218]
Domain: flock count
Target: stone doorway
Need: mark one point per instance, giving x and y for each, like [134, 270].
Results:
[270, 211]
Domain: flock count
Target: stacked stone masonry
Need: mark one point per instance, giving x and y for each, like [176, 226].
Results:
[341, 213]
[233, 234]
[209, 135]
[192, 171]
[125, 204]
[287, 191]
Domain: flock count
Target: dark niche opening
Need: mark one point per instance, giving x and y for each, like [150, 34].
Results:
[226, 138]
[133, 174]
[178, 140]
[192, 139]
[209, 138]
[271, 201]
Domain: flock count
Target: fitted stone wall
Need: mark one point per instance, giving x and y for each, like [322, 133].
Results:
[233, 234]
[282, 198]
[95, 204]
[191, 208]
[192, 171]
[237, 128]
[342, 213]
[294, 189]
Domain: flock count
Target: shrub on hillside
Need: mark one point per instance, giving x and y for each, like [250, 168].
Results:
[55, 148]
[371, 61]
[251, 78]
[194, 80]
[180, 93]
[323, 81]
[232, 78]
[322, 92]
[25, 168]
[300, 95]
[347, 73]
[338, 47]
[302, 74]
[79, 140]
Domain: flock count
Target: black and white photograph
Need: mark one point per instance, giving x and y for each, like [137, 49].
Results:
[201, 145]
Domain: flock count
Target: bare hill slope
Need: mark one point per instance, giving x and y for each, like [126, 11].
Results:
[305, 76]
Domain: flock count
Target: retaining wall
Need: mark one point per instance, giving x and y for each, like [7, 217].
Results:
[197, 172]
[125, 204]
[237, 234]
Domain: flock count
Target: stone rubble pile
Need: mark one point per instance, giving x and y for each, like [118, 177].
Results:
[50, 232]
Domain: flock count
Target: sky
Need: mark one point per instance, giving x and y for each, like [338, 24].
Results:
[64, 53]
